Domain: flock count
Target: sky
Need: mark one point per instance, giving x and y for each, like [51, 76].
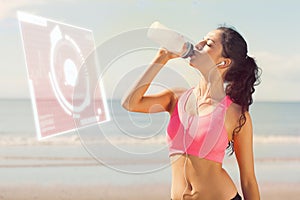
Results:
[270, 28]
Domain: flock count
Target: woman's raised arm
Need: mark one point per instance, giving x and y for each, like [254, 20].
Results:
[136, 101]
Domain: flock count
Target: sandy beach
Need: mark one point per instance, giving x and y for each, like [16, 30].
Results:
[45, 171]
[62, 169]
[268, 191]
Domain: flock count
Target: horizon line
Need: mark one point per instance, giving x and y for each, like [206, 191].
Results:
[117, 99]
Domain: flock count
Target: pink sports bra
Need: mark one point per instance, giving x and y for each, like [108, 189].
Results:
[202, 136]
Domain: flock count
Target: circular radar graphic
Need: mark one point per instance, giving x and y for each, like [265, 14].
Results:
[68, 70]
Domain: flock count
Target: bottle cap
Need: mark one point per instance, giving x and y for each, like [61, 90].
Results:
[189, 51]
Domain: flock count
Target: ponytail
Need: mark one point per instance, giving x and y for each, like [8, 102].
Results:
[242, 75]
[241, 81]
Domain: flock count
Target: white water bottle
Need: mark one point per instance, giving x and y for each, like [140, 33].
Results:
[170, 39]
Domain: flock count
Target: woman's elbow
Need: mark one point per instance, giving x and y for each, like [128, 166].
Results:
[129, 105]
[250, 189]
[125, 104]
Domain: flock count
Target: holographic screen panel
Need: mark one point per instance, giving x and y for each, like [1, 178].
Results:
[65, 90]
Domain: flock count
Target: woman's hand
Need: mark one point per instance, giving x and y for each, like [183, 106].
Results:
[163, 56]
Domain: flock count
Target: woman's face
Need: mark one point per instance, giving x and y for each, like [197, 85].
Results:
[208, 51]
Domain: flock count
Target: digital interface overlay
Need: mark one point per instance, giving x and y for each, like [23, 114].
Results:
[64, 87]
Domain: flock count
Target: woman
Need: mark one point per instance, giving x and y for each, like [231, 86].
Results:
[206, 118]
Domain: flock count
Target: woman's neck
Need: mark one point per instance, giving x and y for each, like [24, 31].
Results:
[211, 86]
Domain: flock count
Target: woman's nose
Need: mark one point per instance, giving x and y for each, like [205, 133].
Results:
[200, 45]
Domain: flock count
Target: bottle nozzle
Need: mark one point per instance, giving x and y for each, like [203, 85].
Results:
[189, 50]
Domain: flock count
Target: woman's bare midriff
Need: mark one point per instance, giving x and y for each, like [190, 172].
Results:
[194, 178]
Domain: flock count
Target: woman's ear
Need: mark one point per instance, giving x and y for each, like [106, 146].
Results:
[225, 63]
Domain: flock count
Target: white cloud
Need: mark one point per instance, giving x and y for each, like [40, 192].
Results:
[280, 77]
[8, 7]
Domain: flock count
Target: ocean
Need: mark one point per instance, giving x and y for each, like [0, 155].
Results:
[271, 121]
[131, 148]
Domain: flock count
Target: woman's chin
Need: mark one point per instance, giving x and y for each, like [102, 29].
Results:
[192, 64]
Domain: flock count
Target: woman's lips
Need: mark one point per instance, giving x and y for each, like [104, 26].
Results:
[193, 54]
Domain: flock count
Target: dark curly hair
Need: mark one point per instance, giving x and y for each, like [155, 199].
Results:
[242, 75]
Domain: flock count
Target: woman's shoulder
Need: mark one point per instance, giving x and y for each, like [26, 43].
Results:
[235, 110]
[233, 113]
